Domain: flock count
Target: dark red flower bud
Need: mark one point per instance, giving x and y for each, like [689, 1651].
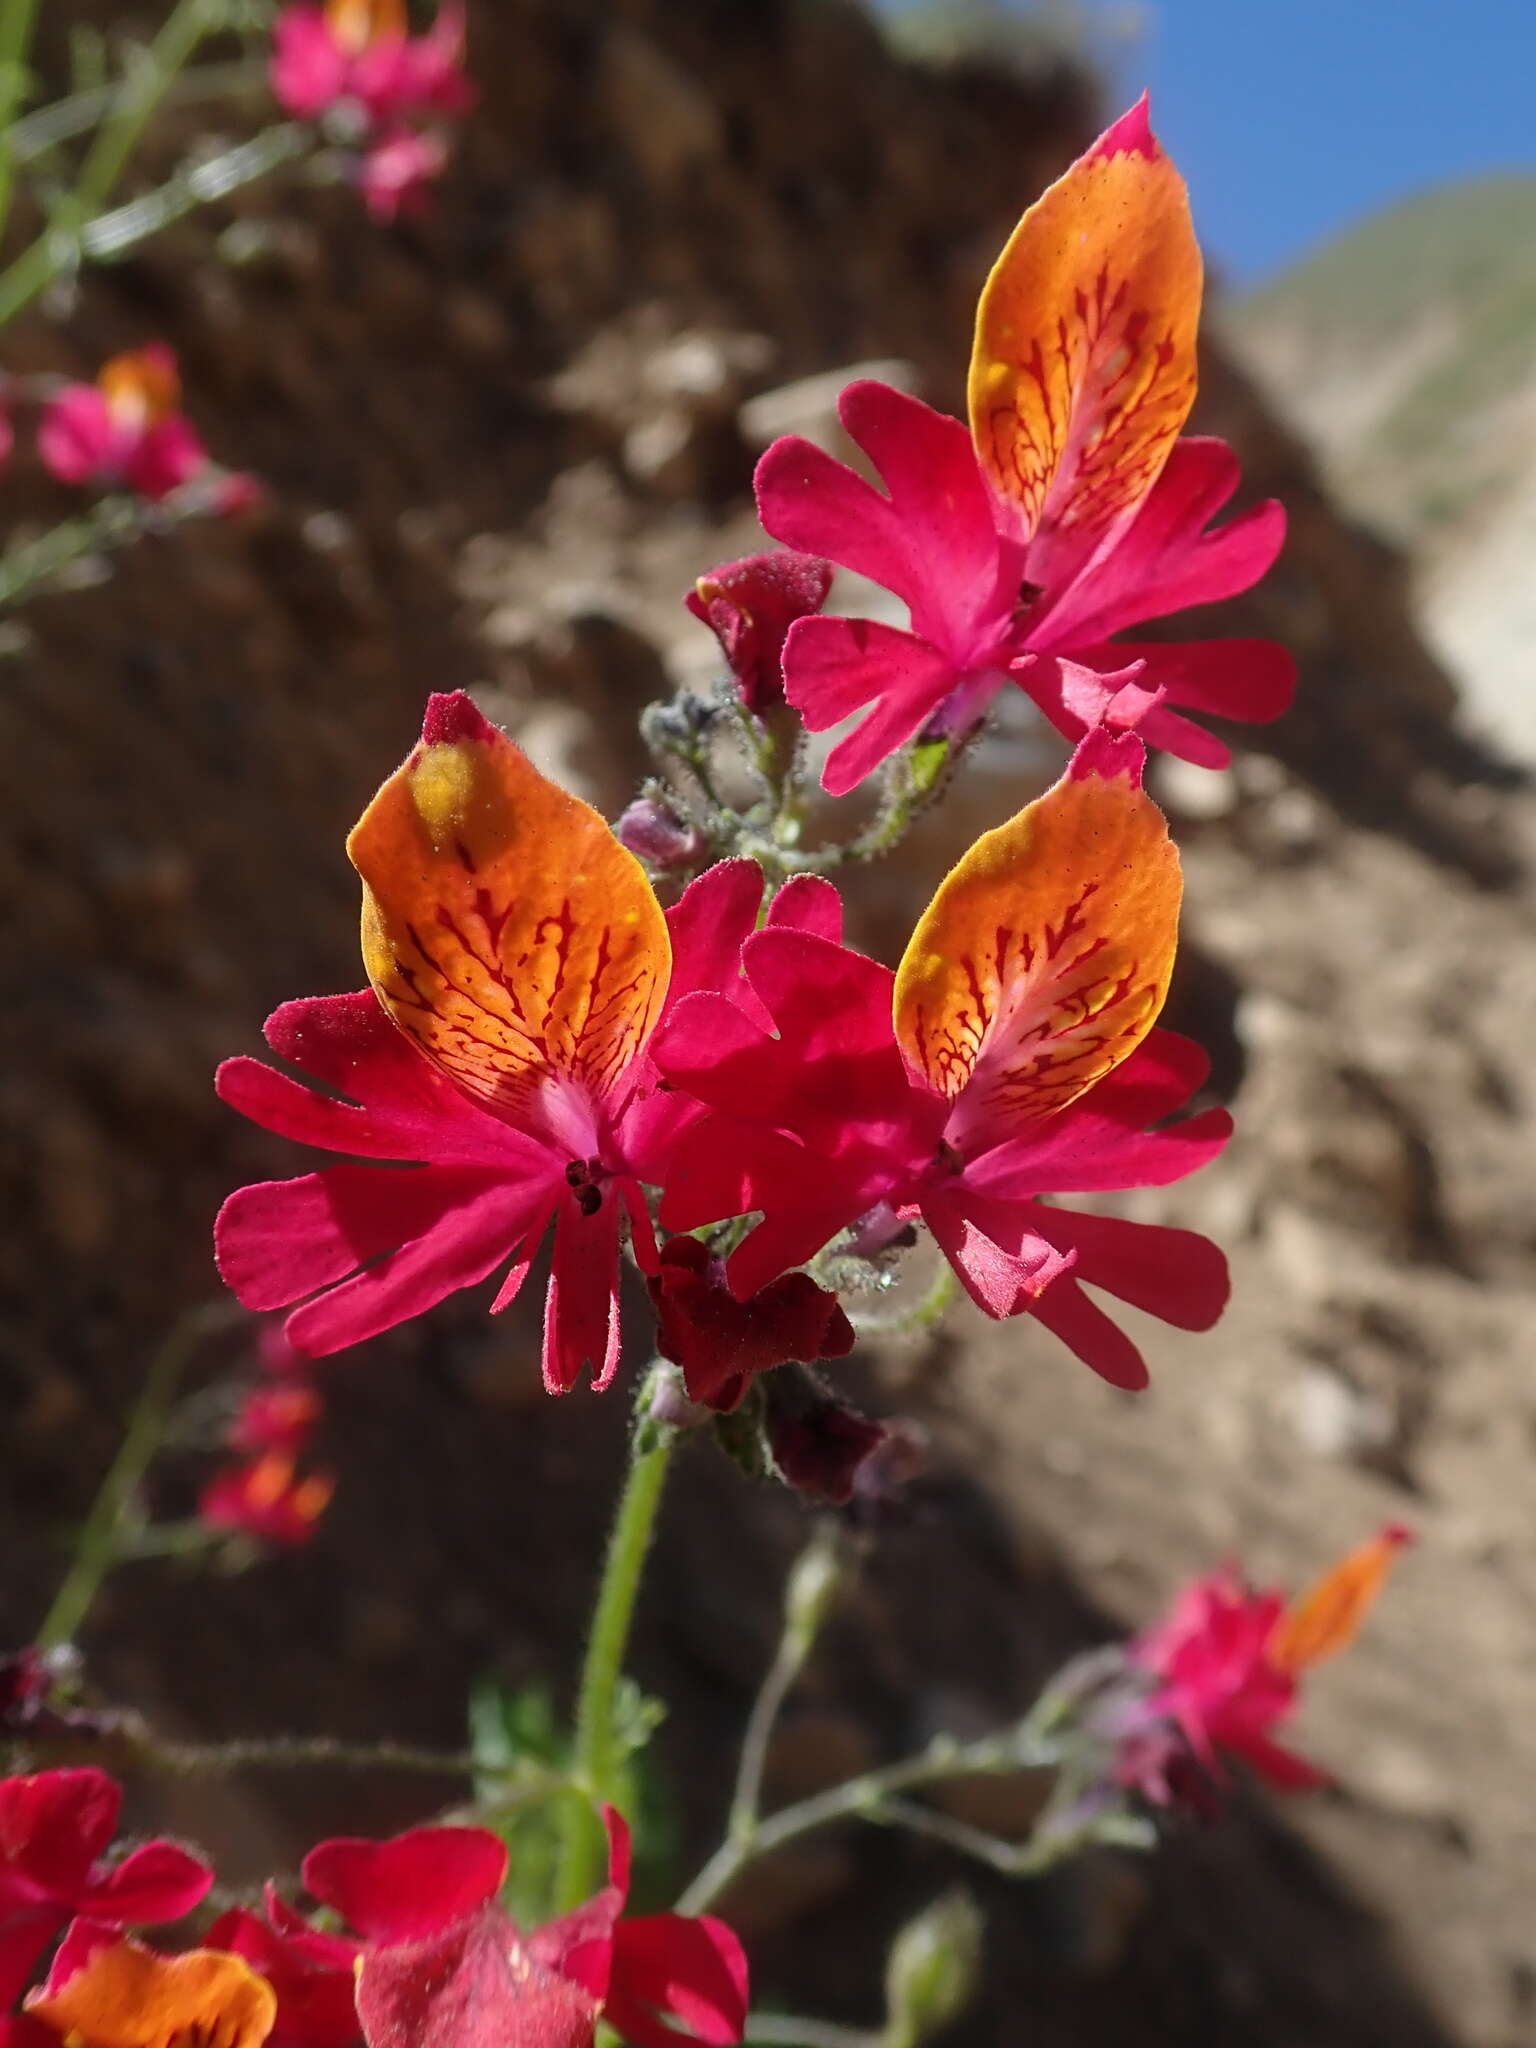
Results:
[657, 835]
[721, 1342]
[750, 606]
[820, 1446]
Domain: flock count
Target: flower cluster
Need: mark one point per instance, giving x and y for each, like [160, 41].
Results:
[126, 432]
[545, 1048]
[430, 1957]
[261, 1493]
[1223, 1670]
[381, 93]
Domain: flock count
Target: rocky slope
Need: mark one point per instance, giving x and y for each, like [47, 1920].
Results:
[1405, 351]
[500, 443]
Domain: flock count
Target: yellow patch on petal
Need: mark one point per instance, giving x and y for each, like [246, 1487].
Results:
[357, 24]
[505, 929]
[1044, 958]
[141, 386]
[126, 1996]
[1083, 370]
[1328, 1616]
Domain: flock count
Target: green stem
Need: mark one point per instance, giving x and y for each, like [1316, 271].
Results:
[809, 1593]
[58, 247]
[867, 1798]
[298, 1753]
[18, 20]
[97, 1548]
[81, 111]
[593, 1761]
[784, 2030]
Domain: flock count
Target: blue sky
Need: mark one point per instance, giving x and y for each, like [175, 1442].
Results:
[1292, 118]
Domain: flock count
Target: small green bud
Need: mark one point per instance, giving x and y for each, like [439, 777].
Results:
[932, 1971]
[814, 1578]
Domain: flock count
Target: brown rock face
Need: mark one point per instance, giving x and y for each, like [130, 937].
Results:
[499, 445]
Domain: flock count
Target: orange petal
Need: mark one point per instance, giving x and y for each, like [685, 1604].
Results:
[1327, 1617]
[505, 929]
[126, 1996]
[358, 23]
[141, 385]
[1083, 369]
[1045, 955]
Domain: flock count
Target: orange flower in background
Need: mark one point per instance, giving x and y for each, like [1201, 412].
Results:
[105, 1991]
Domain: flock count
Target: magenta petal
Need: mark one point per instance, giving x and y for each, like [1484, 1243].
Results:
[809, 903]
[1175, 1274]
[1253, 680]
[76, 437]
[932, 541]
[155, 1882]
[1001, 1260]
[833, 667]
[460, 1250]
[309, 68]
[410, 1885]
[24, 1935]
[708, 925]
[277, 1241]
[1085, 1330]
[691, 1971]
[166, 456]
[1166, 560]
[1280, 1767]
[1086, 1151]
[581, 1309]
[53, 1826]
[472, 1984]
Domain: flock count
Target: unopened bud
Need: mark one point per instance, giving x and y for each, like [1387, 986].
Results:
[657, 835]
[932, 1971]
[814, 1578]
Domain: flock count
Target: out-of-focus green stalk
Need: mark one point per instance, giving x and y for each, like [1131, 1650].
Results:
[18, 20]
[97, 1549]
[58, 247]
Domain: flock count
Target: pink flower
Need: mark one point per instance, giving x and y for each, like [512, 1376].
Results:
[520, 963]
[1226, 1664]
[394, 173]
[359, 51]
[721, 1342]
[1007, 1059]
[441, 1965]
[750, 606]
[124, 430]
[55, 1829]
[268, 1499]
[280, 1418]
[1069, 512]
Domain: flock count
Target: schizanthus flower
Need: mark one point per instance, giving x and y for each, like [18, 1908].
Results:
[266, 1498]
[1070, 511]
[355, 62]
[1224, 1669]
[55, 1831]
[437, 1963]
[520, 964]
[127, 432]
[1011, 1056]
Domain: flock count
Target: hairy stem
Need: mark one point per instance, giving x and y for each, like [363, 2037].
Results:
[18, 20]
[594, 1763]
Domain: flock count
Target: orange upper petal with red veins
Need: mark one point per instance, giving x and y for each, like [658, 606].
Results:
[1083, 370]
[505, 929]
[1044, 957]
[126, 1996]
[1327, 1617]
